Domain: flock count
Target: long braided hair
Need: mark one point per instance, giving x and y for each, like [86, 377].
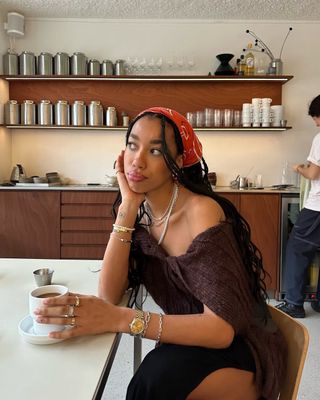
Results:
[195, 178]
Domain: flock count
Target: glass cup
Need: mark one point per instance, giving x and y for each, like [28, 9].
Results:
[237, 118]
[217, 118]
[200, 118]
[208, 117]
[228, 117]
[191, 117]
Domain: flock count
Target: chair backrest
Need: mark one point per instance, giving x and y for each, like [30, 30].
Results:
[297, 338]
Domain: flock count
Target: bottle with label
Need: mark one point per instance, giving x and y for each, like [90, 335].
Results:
[242, 65]
[249, 59]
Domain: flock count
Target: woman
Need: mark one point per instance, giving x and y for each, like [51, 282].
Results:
[192, 251]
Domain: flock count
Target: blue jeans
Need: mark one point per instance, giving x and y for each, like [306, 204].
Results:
[302, 246]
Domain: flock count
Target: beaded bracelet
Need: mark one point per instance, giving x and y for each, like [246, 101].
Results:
[122, 229]
[147, 317]
[160, 328]
[121, 239]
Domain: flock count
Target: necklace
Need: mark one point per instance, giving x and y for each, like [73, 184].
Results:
[156, 221]
[169, 215]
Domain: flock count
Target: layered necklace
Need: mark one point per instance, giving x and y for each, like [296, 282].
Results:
[157, 221]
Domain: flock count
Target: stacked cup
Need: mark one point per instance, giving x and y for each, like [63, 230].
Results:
[265, 112]
[277, 115]
[256, 112]
[246, 115]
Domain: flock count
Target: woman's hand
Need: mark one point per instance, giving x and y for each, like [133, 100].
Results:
[127, 194]
[91, 316]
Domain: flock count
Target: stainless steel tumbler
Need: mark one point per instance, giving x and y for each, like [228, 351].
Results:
[10, 64]
[61, 64]
[111, 116]
[61, 113]
[107, 67]
[78, 64]
[45, 115]
[27, 63]
[12, 112]
[45, 64]
[78, 113]
[120, 67]
[95, 113]
[28, 112]
[94, 67]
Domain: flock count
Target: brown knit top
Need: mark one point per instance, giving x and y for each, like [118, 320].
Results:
[211, 272]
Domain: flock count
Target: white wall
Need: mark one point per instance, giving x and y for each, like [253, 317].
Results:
[85, 157]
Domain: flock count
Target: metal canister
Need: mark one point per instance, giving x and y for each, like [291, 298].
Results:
[78, 113]
[107, 67]
[61, 113]
[111, 116]
[12, 112]
[94, 67]
[28, 112]
[45, 115]
[95, 113]
[27, 63]
[45, 64]
[10, 64]
[78, 64]
[120, 67]
[61, 64]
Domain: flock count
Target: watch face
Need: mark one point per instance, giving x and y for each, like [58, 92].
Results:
[137, 326]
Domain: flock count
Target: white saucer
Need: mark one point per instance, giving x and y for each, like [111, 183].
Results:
[26, 331]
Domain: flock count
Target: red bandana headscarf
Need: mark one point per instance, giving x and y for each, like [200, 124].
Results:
[192, 153]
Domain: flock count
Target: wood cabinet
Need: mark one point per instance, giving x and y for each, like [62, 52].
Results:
[86, 223]
[262, 212]
[135, 93]
[29, 224]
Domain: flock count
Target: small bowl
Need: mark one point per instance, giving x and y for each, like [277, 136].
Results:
[43, 276]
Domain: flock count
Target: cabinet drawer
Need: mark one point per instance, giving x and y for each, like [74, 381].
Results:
[86, 224]
[86, 210]
[85, 238]
[88, 197]
[83, 252]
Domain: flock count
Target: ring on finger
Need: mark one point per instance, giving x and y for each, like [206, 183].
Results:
[77, 303]
[73, 321]
[71, 310]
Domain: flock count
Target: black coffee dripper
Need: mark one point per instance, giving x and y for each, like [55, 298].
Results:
[224, 68]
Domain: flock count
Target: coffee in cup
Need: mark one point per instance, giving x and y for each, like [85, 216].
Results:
[36, 297]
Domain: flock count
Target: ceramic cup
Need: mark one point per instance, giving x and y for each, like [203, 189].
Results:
[36, 297]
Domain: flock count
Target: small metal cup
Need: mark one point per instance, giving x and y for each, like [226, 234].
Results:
[43, 276]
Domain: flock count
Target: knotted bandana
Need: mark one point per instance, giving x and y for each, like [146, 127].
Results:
[192, 152]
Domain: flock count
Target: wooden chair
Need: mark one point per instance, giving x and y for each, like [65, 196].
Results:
[297, 338]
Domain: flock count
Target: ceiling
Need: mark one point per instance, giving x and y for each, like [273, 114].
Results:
[281, 10]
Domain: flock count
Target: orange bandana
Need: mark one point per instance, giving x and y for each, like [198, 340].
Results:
[192, 153]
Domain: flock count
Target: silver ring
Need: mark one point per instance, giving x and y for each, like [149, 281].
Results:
[71, 310]
[77, 303]
[73, 321]
[117, 172]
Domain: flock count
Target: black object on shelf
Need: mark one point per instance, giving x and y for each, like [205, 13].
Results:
[224, 68]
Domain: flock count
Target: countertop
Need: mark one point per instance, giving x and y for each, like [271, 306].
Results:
[107, 188]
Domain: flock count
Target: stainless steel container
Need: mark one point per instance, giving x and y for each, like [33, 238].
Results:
[61, 113]
[94, 67]
[120, 67]
[111, 116]
[10, 64]
[78, 113]
[107, 67]
[12, 112]
[27, 63]
[45, 64]
[95, 113]
[61, 64]
[78, 64]
[28, 112]
[45, 114]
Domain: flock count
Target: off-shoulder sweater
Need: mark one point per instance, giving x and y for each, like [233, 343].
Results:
[211, 272]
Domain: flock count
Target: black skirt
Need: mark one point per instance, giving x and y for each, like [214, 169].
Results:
[172, 372]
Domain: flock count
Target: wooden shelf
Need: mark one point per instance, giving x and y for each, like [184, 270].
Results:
[121, 128]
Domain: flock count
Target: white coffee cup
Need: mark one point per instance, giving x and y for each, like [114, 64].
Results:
[36, 297]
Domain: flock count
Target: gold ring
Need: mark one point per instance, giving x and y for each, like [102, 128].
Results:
[73, 321]
[71, 311]
[117, 172]
[77, 303]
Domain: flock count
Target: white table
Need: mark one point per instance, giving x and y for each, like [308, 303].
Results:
[76, 368]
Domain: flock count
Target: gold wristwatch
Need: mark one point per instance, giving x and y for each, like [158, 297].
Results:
[137, 325]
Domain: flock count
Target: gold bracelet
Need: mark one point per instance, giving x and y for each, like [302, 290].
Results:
[160, 328]
[121, 239]
[147, 318]
[122, 229]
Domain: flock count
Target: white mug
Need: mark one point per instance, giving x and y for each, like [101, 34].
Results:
[36, 297]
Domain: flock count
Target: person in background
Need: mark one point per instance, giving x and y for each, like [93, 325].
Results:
[192, 251]
[304, 240]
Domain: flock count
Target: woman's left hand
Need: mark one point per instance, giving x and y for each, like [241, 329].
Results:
[83, 315]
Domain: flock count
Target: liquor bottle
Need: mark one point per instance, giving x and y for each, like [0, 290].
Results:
[249, 60]
[242, 65]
